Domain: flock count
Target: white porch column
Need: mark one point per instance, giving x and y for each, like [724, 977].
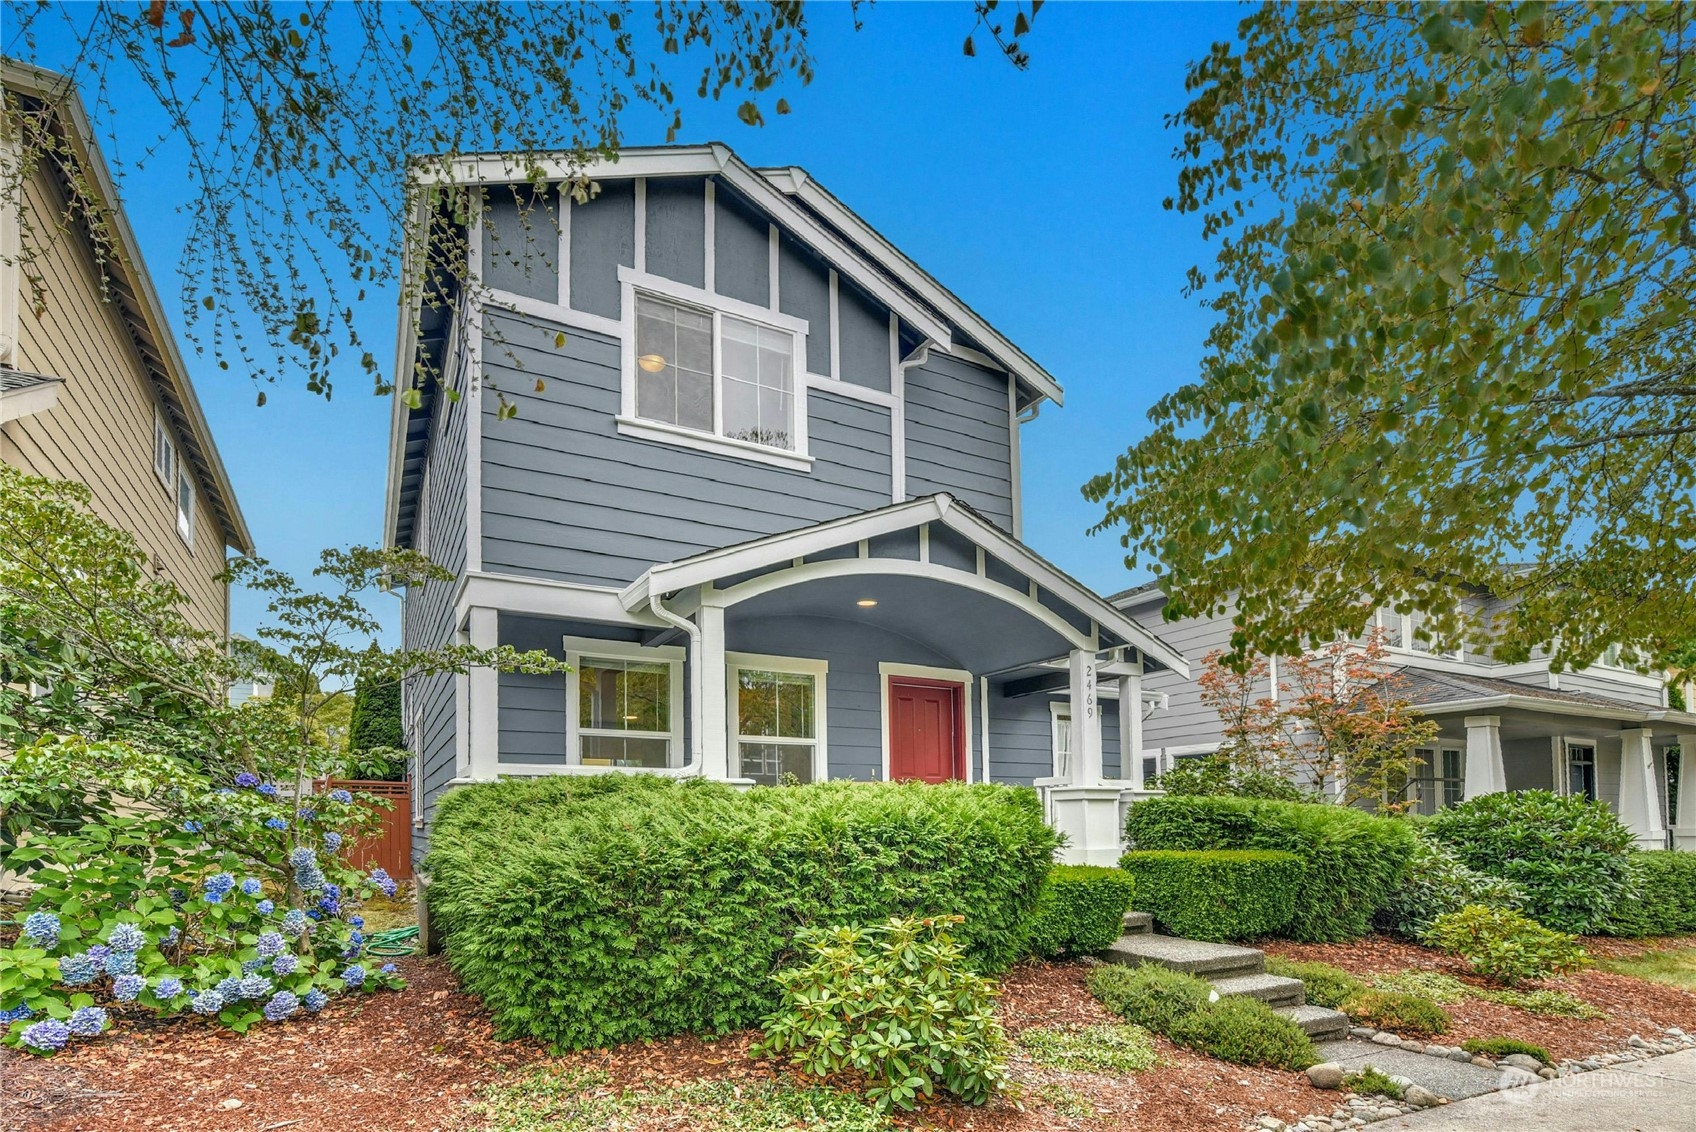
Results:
[1684, 807]
[1086, 812]
[1130, 728]
[1639, 801]
[715, 724]
[1484, 771]
[483, 698]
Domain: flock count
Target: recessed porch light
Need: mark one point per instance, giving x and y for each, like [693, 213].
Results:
[651, 363]
[866, 602]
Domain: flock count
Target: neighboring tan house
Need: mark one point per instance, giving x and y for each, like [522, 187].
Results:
[92, 387]
[1602, 731]
[761, 491]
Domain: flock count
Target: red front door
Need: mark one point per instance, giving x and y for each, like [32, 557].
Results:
[926, 741]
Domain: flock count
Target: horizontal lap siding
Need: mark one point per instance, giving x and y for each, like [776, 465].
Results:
[566, 497]
[1021, 738]
[1186, 720]
[958, 437]
[1599, 683]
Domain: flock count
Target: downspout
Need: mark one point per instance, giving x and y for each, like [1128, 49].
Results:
[697, 676]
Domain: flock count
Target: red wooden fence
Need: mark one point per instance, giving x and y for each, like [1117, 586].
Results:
[391, 846]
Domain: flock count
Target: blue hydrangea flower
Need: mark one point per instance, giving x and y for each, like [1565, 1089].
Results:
[126, 937]
[126, 987]
[249, 966]
[268, 790]
[119, 963]
[294, 922]
[282, 1004]
[276, 823]
[332, 841]
[382, 880]
[354, 976]
[265, 907]
[269, 944]
[329, 905]
[314, 1000]
[306, 815]
[389, 968]
[43, 928]
[77, 970]
[87, 1021]
[172, 936]
[49, 1033]
[99, 952]
[207, 1001]
[16, 1014]
[213, 898]
[255, 986]
[169, 987]
[341, 796]
[251, 887]
[247, 780]
[217, 887]
[356, 921]
[229, 990]
[306, 872]
[191, 827]
[285, 964]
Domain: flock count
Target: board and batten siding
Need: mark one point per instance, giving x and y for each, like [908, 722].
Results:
[100, 432]
[429, 707]
[959, 435]
[565, 496]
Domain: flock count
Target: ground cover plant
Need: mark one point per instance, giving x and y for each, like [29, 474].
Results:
[1325, 985]
[1372, 1082]
[1185, 1009]
[1501, 1047]
[1504, 946]
[1095, 1049]
[1400, 1013]
[1351, 860]
[589, 911]
[1569, 855]
[1219, 894]
[1080, 910]
[1446, 990]
[1676, 968]
[1149, 996]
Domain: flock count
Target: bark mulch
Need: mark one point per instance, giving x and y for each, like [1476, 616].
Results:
[1632, 1006]
[412, 1059]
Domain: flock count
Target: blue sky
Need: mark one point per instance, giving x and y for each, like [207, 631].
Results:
[1035, 196]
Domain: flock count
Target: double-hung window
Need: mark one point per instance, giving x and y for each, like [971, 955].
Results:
[174, 475]
[777, 712]
[624, 705]
[709, 372]
[1436, 783]
[1581, 770]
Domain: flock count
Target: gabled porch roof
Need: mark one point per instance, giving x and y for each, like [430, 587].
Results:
[972, 554]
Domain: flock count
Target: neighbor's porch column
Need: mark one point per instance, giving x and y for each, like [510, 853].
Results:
[1684, 808]
[1086, 812]
[1484, 771]
[715, 723]
[1130, 727]
[483, 698]
[1639, 800]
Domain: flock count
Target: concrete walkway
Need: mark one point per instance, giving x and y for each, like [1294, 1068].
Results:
[1657, 1095]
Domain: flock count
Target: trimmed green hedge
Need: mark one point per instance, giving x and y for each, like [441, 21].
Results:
[589, 911]
[376, 718]
[1219, 894]
[1080, 911]
[1661, 895]
[1351, 860]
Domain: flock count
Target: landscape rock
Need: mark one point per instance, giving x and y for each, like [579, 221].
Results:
[1325, 1075]
[1483, 1063]
[1421, 1096]
[1386, 1039]
[1522, 1061]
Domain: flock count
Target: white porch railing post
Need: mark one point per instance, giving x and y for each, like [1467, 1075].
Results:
[483, 698]
[1087, 810]
[715, 723]
[1639, 801]
[1484, 771]
[1086, 719]
[1684, 808]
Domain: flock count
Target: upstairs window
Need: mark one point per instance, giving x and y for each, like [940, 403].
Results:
[174, 476]
[185, 507]
[164, 452]
[715, 373]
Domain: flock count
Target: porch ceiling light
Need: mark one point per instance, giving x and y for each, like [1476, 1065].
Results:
[866, 602]
[651, 363]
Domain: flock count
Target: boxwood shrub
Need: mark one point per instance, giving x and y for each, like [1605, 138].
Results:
[588, 911]
[1660, 895]
[1351, 860]
[1216, 894]
[1080, 910]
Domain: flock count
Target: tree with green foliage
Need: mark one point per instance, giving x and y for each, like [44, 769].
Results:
[376, 717]
[1455, 298]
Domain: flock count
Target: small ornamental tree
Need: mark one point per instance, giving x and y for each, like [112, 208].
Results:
[178, 863]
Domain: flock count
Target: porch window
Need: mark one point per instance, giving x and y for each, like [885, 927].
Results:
[778, 709]
[1439, 783]
[624, 704]
[712, 372]
[1581, 771]
[1060, 730]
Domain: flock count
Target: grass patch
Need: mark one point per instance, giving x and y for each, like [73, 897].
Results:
[1676, 968]
[1501, 1047]
[1066, 1101]
[551, 1100]
[1370, 1082]
[1112, 1049]
[383, 913]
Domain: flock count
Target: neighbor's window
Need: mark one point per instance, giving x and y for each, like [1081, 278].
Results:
[1438, 781]
[776, 725]
[624, 712]
[164, 452]
[715, 373]
[1581, 771]
[185, 507]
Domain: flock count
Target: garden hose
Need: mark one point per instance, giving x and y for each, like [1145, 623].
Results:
[392, 943]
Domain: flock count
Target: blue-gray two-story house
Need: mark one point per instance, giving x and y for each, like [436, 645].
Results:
[758, 485]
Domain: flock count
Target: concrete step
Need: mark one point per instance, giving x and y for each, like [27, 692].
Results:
[1139, 923]
[1320, 1023]
[1273, 990]
[1210, 960]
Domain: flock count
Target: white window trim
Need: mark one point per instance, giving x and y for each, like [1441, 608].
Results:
[185, 519]
[886, 669]
[576, 648]
[1595, 749]
[167, 476]
[819, 670]
[1432, 759]
[1060, 724]
[632, 283]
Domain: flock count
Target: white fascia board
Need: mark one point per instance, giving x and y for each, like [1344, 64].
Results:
[37, 398]
[1533, 703]
[544, 597]
[785, 547]
[796, 182]
[1026, 561]
[706, 160]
